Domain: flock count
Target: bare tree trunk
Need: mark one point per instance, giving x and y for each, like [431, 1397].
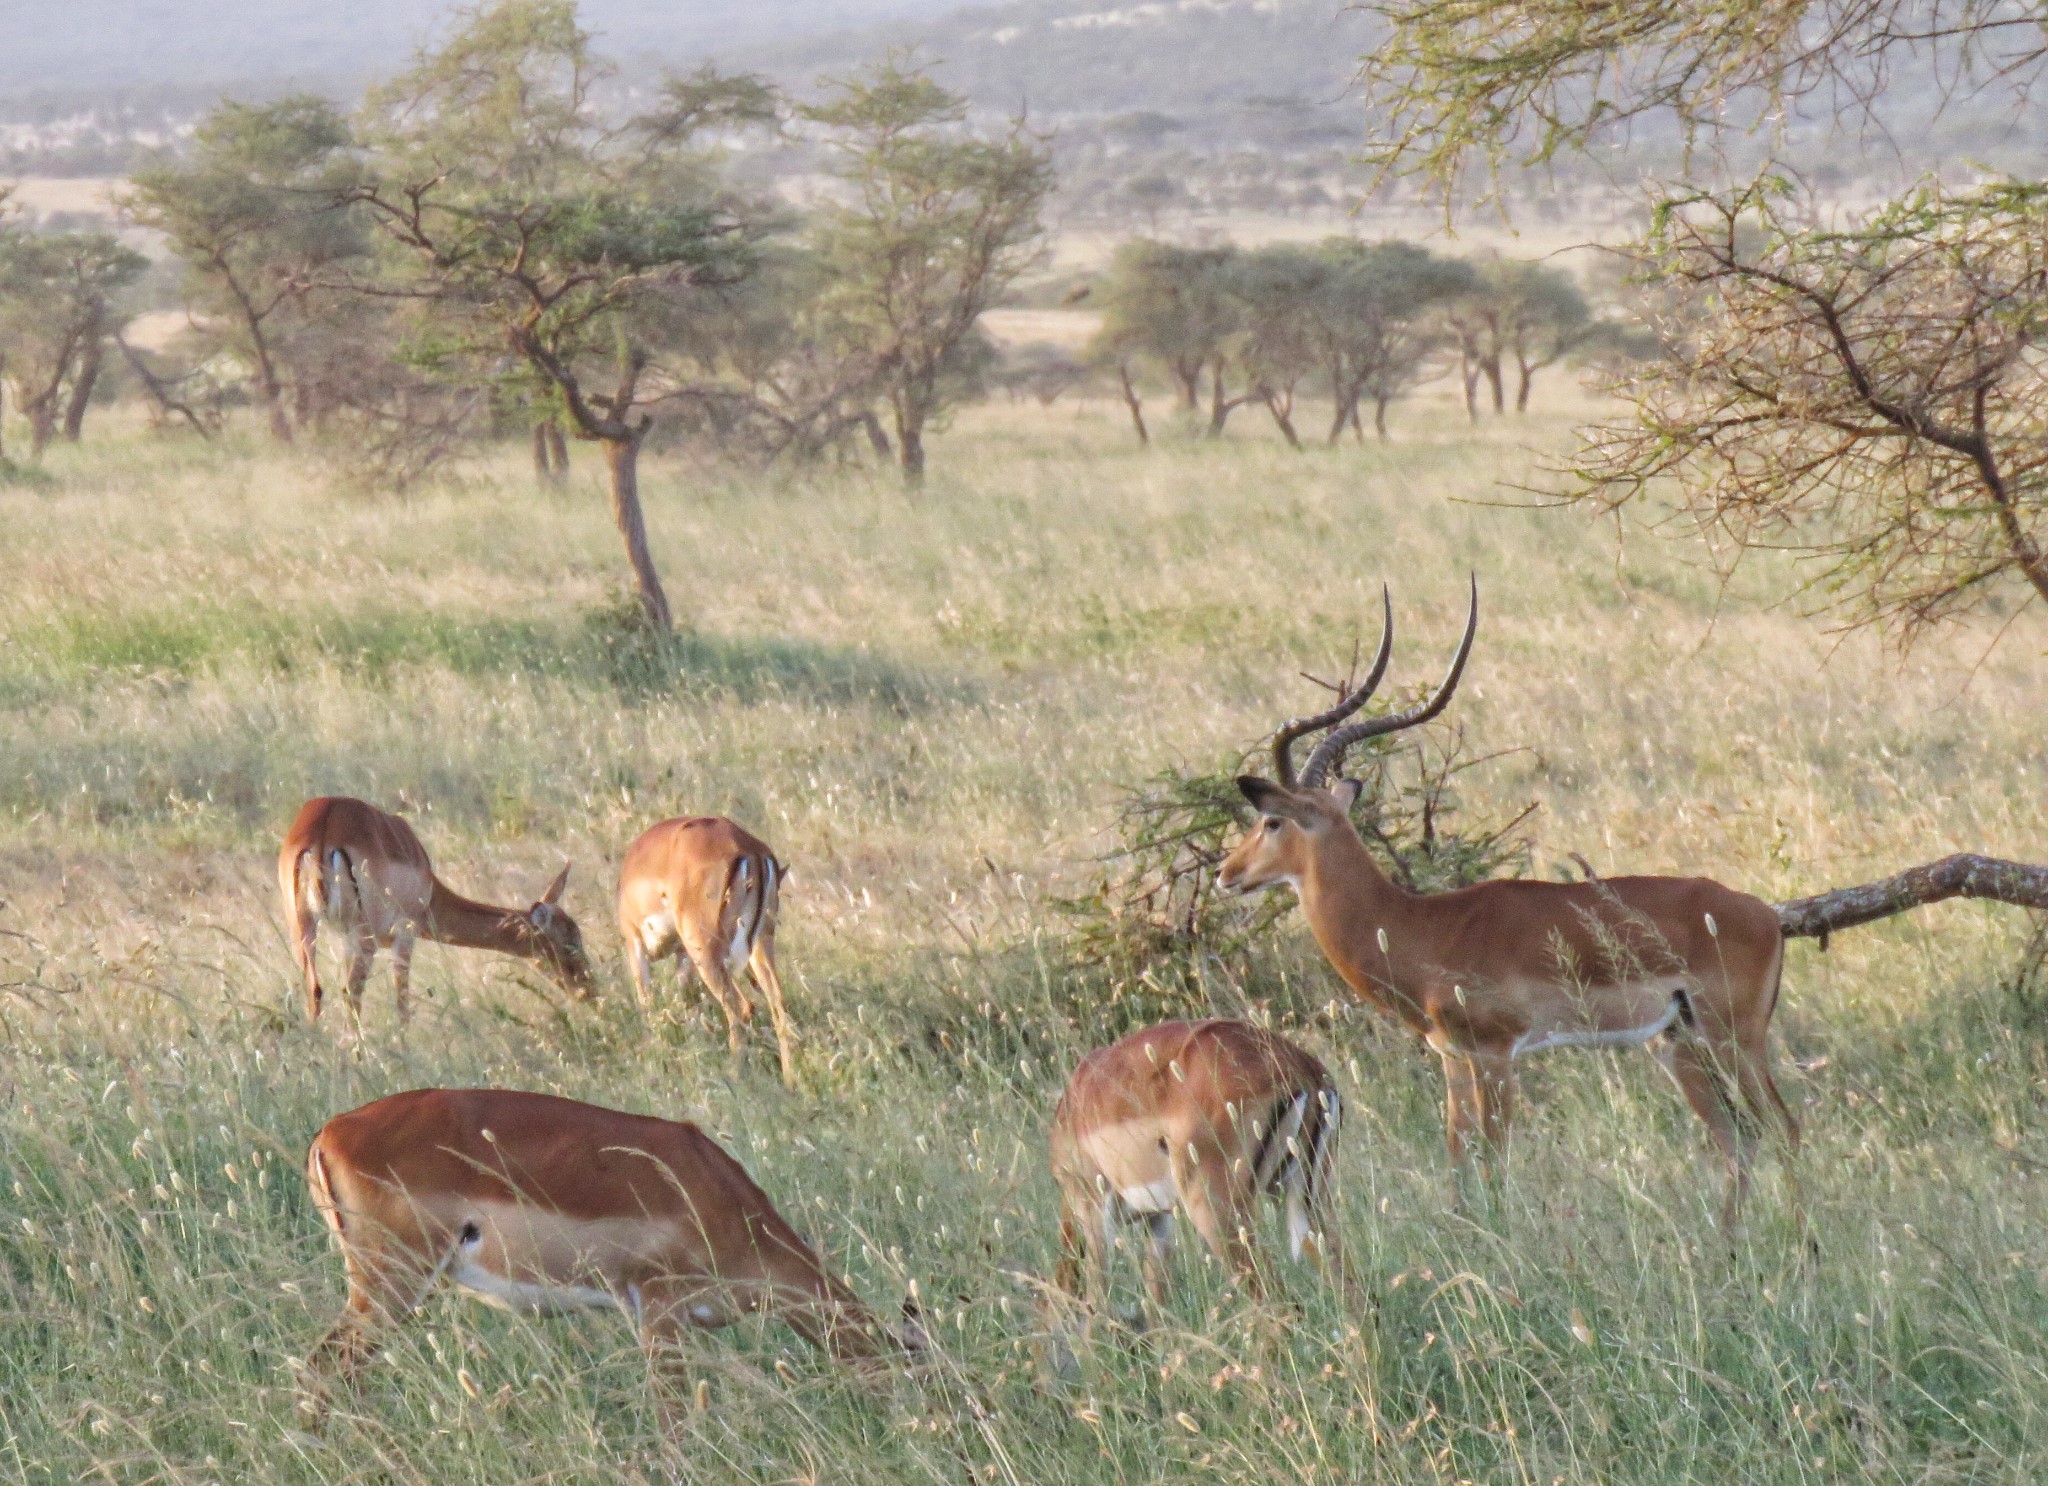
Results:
[1525, 374]
[1219, 405]
[81, 388]
[541, 468]
[159, 394]
[1281, 408]
[1379, 418]
[1964, 875]
[622, 461]
[1347, 410]
[1188, 382]
[3, 407]
[273, 403]
[1468, 371]
[558, 453]
[1134, 403]
[910, 442]
[41, 412]
[1491, 366]
[878, 436]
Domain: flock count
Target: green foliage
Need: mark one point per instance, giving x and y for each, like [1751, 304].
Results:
[942, 222]
[1462, 83]
[1866, 392]
[1154, 911]
[251, 210]
[60, 298]
[1362, 319]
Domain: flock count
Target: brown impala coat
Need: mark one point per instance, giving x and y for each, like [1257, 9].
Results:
[540, 1205]
[1494, 971]
[699, 887]
[1206, 1117]
[363, 872]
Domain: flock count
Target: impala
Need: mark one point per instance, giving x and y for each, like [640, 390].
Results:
[1201, 1117]
[1491, 972]
[541, 1205]
[363, 872]
[701, 888]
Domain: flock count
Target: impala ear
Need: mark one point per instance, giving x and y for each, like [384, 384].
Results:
[1263, 793]
[1267, 797]
[554, 893]
[1346, 792]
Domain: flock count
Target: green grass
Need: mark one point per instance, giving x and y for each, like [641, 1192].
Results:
[927, 705]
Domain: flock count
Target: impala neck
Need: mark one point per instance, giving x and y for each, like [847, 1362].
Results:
[1348, 901]
[468, 924]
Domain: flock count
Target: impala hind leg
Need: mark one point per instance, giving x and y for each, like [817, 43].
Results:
[362, 956]
[761, 966]
[305, 934]
[711, 969]
[403, 941]
[1700, 1073]
[637, 966]
[382, 1292]
[1220, 1209]
[1760, 1094]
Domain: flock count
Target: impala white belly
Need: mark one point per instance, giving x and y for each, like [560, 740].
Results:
[528, 1298]
[1575, 1033]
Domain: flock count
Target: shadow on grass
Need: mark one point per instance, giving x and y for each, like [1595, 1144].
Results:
[600, 650]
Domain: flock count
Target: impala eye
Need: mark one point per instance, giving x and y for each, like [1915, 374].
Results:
[1272, 822]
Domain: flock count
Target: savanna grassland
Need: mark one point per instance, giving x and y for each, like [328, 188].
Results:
[928, 703]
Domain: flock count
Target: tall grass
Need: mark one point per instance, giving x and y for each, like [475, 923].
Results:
[928, 704]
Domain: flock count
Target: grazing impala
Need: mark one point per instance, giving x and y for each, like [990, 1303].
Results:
[1490, 972]
[1204, 1117]
[364, 873]
[702, 888]
[541, 1205]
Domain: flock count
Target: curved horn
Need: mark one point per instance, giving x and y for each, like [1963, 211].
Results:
[1284, 740]
[1329, 752]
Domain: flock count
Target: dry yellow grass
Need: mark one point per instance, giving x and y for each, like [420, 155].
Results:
[927, 704]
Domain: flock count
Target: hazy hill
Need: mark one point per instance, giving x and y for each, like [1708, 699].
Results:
[160, 46]
[1186, 60]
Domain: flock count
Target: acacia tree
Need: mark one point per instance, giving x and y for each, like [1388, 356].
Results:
[1379, 323]
[1279, 291]
[1170, 305]
[529, 224]
[1917, 458]
[253, 213]
[941, 221]
[58, 307]
[1872, 395]
[1543, 318]
[1460, 83]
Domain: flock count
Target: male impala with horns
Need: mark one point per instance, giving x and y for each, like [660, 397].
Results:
[1493, 971]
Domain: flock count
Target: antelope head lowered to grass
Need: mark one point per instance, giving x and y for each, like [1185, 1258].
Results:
[1494, 971]
[362, 871]
[542, 1205]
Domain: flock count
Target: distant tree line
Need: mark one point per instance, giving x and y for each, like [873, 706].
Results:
[1362, 324]
[490, 241]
